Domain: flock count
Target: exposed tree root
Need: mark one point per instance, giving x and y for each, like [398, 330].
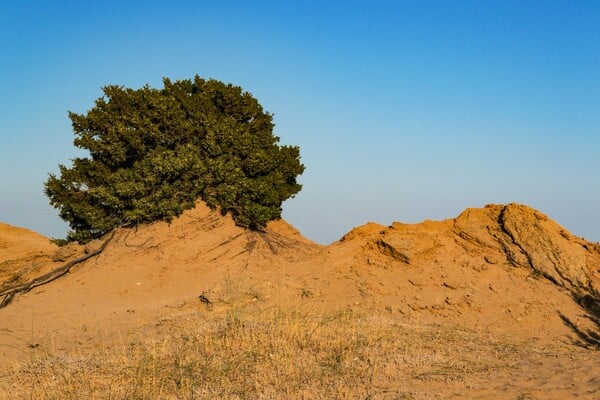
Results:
[7, 295]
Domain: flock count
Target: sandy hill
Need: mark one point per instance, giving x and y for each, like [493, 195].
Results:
[500, 271]
[24, 254]
[143, 272]
[505, 268]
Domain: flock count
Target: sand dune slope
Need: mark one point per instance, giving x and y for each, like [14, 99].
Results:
[503, 273]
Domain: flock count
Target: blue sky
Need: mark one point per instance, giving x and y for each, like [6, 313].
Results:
[403, 111]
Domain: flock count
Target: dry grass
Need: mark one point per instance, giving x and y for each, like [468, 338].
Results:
[239, 353]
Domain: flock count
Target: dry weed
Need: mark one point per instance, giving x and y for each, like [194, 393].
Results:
[241, 353]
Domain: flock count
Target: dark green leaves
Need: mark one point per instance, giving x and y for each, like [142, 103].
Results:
[153, 153]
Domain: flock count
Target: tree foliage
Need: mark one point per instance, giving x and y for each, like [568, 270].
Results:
[154, 152]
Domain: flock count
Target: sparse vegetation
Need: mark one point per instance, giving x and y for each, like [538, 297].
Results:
[154, 152]
[239, 353]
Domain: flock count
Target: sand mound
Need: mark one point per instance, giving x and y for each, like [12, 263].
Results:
[513, 235]
[20, 243]
[25, 254]
[199, 236]
[506, 270]
[144, 272]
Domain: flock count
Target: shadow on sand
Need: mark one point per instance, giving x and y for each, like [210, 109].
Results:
[589, 337]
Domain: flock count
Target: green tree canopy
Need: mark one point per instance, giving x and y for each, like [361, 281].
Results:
[154, 152]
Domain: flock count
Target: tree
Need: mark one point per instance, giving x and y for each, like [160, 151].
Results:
[154, 152]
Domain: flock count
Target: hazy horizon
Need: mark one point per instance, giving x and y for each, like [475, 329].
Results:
[403, 111]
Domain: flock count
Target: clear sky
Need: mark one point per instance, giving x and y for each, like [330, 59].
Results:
[403, 111]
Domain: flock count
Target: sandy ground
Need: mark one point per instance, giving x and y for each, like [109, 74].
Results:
[496, 294]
